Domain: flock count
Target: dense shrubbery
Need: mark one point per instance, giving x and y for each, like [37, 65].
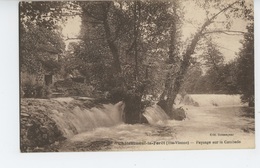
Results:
[30, 88]
[71, 88]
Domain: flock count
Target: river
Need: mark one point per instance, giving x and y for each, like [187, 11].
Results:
[220, 122]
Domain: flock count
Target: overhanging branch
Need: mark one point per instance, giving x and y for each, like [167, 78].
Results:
[227, 32]
[81, 39]
[198, 35]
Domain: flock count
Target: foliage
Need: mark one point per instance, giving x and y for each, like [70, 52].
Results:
[39, 46]
[123, 18]
[219, 77]
[212, 57]
[45, 14]
[71, 88]
[30, 88]
[133, 48]
[222, 81]
[245, 73]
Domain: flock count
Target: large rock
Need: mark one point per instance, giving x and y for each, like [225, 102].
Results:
[176, 114]
[38, 130]
[179, 114]
[187, 100]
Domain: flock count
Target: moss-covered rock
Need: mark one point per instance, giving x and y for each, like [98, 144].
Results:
[39, 127]
[38, 130]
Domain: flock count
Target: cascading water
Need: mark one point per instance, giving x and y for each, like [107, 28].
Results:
[79, 120]
[102, 128]
[203, 100]
[155, 115]
[202, 121]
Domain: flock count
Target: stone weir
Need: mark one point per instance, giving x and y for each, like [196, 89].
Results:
[45, 123]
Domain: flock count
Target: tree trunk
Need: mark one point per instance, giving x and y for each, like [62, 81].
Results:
[112, 46]
[166, 87]
[172, 86]
[132, 110]
[175, 85]
[133, 100]
[174, 90]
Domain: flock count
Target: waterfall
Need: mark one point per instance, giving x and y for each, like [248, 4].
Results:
[204, 100]
[155, 115]
[79, 120]
[73, 119]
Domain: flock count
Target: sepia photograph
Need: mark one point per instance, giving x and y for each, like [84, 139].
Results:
[136, 75]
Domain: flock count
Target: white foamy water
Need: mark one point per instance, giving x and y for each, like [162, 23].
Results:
[155, 115]
[204, 123]
[78, 120]
[203, 100]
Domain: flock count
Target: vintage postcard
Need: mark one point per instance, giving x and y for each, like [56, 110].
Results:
[136, 75]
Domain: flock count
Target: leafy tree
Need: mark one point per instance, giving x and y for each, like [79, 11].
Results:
[127, 47]
[132, 33]
[245, 74]
[192, 80]
[123, 41]
[39, 46]
[40, 41]
[45, 14]
[212, 57]
[206, 29]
